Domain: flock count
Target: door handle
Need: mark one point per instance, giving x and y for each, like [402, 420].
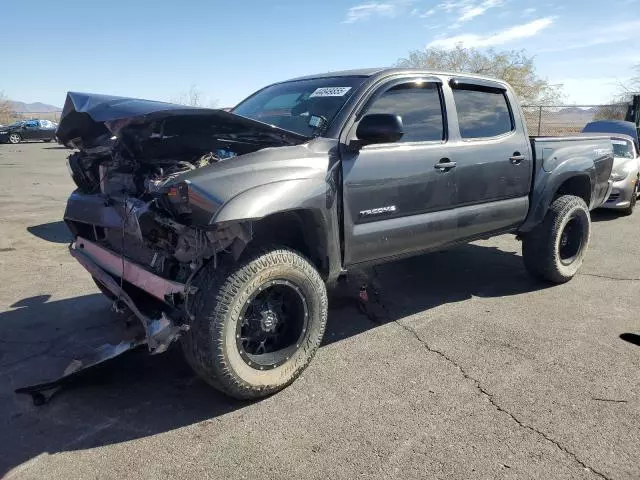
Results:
[444, 165]
[517, 159]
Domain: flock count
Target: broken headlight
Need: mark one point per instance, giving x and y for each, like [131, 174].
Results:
[178, 199]
[183, 199]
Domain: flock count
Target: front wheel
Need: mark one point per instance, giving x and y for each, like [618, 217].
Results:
[256, 325]
[15, 138]
[554, 250]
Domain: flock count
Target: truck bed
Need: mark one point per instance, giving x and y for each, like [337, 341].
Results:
[552, 153]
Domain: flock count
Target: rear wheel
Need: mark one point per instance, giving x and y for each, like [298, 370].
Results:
[15, 138]
[256, 325]
[555, 249]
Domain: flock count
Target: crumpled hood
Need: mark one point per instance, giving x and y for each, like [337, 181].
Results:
[89, 120]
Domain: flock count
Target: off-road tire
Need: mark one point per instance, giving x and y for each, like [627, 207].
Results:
[210, 344]
[541, 246]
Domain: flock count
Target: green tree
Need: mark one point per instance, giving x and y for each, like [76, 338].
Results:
[515, 67]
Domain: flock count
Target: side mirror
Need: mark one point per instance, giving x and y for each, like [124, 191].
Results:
[379, 128]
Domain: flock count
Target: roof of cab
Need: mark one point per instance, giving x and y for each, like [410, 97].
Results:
[370, 72]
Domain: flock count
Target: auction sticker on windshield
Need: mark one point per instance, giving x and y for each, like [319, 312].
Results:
[330, 92]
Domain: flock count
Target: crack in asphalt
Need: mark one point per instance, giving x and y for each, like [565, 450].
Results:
[479, 386]
[499, 408]
[621, 279]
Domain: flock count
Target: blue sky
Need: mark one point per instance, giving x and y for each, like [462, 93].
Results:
[158, 49]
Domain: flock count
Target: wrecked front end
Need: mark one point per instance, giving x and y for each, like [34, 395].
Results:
[141, 229]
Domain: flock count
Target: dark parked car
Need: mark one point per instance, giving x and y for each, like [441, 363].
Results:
[44, 130]
[223, 228]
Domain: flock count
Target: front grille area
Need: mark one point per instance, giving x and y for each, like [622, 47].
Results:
[129, 245]
[85, 230]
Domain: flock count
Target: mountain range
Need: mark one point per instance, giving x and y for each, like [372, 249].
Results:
[36, 107]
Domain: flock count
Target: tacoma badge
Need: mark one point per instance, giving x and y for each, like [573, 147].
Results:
[378, 211]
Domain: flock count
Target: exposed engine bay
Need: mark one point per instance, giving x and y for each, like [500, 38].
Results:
[128, 172]
[155, 230]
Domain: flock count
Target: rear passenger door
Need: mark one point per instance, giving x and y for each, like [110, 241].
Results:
[492, 153]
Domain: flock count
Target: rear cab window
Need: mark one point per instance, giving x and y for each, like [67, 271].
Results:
[483, 112]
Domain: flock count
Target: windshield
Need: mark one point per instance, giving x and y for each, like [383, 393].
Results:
[622, 148]
[306, 107]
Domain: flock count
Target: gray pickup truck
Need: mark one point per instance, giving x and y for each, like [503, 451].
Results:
[222, 229]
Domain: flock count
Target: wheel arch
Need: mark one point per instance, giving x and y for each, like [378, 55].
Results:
[579, 184]
[299, 229]
[299, 213]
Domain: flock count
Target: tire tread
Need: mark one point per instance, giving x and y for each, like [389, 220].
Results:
[204, 343]
[539, 253]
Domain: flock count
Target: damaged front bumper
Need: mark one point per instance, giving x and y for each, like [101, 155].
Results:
[103, 265]
[159, 328]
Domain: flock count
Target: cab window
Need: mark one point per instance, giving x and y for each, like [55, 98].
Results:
[419, 105]
[482, 112]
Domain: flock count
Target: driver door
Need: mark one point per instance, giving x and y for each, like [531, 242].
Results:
[30, 130]
[397, 200]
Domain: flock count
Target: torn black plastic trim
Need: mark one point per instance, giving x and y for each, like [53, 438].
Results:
[41, 393]
[159, 333]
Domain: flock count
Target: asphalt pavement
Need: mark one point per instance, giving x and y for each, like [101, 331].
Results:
[466, 368]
